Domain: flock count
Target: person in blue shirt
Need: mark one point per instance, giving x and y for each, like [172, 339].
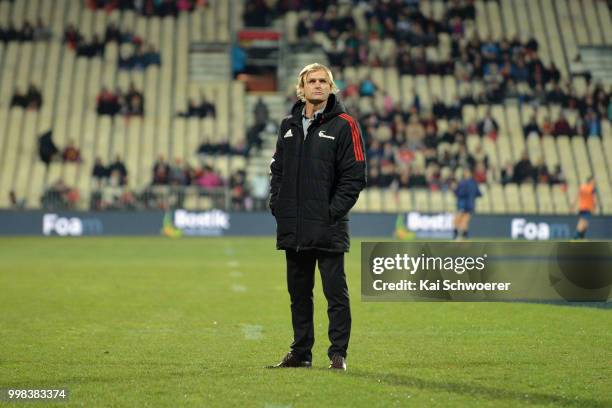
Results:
[467, 192]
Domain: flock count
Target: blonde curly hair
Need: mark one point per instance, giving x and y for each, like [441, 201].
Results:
[299, 87]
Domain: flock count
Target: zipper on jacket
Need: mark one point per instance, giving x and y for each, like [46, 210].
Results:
[297, 186]
[301, 148]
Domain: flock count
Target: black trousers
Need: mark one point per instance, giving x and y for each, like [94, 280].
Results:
[300, 282]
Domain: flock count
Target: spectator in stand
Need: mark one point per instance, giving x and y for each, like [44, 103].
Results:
[207, 108]
[95, 48]
[507, 174]
[30, 100]
[488, 126]
[209, 179]
[256, 14]
[112, 33]
[201, 110]
[367, 87]
[415, 133]
[592, 125]
[541, 172]
[99, 172]
[151, 56]
[135, 105]
[34, 97]
[184, 5]
[403, 178]
[532, 127]
[9, 34]
[161, 171]
[524, 170]
[558, 177]
[19, 99]
[261, 113]
[72, 37]
[140, 58]
[462, 158]
[239, 58]
[547, 126]
[71, 153]
[193, 110]
[417, 178]
[556, 95]
[562, 127]
[46, 148]
[118, 171]
[177, 175]
[238, 190]
[480, 172]
[41, 31]
[27, 32]
[439, 109]
[167, 8]
[107, 103]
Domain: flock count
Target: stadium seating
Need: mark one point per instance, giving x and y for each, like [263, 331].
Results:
[69, 89]
[69, 93]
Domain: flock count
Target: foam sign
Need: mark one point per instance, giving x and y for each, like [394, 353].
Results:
[54, 224]
[542, 231]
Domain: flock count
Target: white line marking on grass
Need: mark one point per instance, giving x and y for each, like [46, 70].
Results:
[239, 288]
[233, 264]
[236, 274]
[252, 331]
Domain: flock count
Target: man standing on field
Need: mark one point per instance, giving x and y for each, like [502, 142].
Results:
[318, 170]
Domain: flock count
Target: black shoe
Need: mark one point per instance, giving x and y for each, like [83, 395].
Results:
[337, 363]
[292, 361]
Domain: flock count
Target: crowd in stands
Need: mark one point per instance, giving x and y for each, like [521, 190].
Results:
[139, 58]
[130, 103]
[208, 148]
[114, 174]
[202, 109]
[175, 175]
[60, 196]
[406, 148]
[524, 171]
[159, 8]
[27, 32]
[32, 99]
[75, 40]
[206, 177]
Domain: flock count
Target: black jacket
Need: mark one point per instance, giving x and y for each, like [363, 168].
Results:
[316, 179]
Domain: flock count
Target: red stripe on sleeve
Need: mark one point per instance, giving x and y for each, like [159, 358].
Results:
[357, 150]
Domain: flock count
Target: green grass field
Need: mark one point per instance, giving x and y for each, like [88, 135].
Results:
[191, 322]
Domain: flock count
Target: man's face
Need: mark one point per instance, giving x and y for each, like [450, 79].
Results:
[316, 87]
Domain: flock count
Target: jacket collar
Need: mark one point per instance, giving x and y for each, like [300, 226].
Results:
[333, 108]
